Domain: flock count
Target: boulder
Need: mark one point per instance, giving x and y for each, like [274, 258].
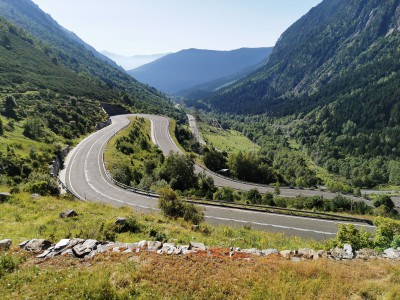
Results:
[366, 254]
[306, 253]
[178, 251]
[286, 254]
[339, 253]
[22, 245]
[4, 197]
[69, 213]
[197, 246]
[62, 244]
[5, 244]
[392, 253]
[142, 244]
[85, 248]
[269, 252]
[67, 252]
[120, 221]
[154, 246]
[349, 250]
[252, 251]
[37, 245]
[45, 253]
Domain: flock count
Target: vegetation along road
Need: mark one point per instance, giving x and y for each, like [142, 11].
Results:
[85, 175]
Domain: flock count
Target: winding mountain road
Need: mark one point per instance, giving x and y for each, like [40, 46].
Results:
[85, 176]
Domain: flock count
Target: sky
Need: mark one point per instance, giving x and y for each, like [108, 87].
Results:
[133, 27]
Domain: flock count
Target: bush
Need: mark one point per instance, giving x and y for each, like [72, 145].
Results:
[131, 225]
[43, 185]
[387, 232]
[193, 214]
[349, 234]
[384, 200]
[254, 196]
[173, 207]
[170, 204]
[224, 194]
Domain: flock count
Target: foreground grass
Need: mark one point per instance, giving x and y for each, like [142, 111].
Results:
[149, 276]
[230, 141]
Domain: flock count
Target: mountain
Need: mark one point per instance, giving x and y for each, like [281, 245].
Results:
[334, 50]
[132, 62]
[70, 51]
[189, 68]
[25, 66]
[331, 86]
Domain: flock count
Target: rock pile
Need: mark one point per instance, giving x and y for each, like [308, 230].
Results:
[86, 249]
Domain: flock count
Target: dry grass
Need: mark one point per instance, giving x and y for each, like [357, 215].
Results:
[149, 276]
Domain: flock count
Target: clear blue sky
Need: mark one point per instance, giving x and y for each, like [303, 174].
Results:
[130, 27]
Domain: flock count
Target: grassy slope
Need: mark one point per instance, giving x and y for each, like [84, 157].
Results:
[143, 276]
[226, 140]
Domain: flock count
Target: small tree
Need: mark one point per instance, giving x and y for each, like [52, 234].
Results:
[34, 128]
[1, 127]
[10, 107]
[178, 170]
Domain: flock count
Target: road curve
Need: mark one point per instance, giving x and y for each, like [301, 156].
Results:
[86, 177]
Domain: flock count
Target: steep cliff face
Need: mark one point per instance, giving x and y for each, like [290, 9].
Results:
[337, 39]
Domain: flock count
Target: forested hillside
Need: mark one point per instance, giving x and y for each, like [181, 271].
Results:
[332, 85]
[51, 87]
[70, 51]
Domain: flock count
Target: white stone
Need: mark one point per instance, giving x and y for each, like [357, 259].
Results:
[62, 244]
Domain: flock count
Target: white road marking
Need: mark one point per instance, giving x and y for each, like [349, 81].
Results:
[270, 225]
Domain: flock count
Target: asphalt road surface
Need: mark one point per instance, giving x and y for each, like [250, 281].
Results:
[85, 176]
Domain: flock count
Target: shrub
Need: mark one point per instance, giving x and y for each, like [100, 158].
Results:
[170, 204]
[131, 225]
[384, 200]
[43, 185]
[193, 214]
[387, 231]
[224, 194]
[349, 234]
[254, 196]
[173, 207]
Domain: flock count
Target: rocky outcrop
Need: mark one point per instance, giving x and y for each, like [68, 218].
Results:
[35, 245]
[87, 249]
[69, 213]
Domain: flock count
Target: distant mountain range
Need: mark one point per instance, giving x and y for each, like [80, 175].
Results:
[132, 62]
[187, 69]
